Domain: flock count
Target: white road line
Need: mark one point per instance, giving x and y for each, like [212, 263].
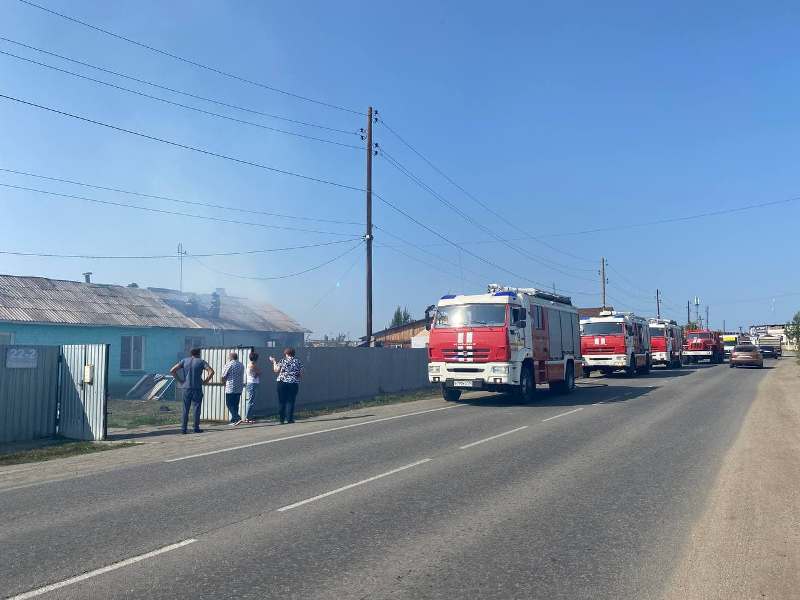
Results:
[310, 433]
[352, 485]
[601, 402]
[494, 437]
[569, 412]
[96, 572]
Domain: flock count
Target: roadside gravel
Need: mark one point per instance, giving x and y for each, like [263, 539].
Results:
[747, 542]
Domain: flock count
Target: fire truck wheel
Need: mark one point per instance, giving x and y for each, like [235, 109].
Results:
[450, 394]
[646, 368]
[587, 372]
[527, 386]
[631, 370]
[568, 383]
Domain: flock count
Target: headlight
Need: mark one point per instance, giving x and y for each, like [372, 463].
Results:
[433, 368]
[501, 370]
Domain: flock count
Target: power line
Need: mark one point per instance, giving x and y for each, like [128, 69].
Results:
[169, 199]
[180, 105]
[713, 213]
[274, 277]
[462, 248]
[169, 256]
[472, 197]
[339, 281]
[400, 167]
[184, 146]
[175, 213]
[194, 63]
[180, 92]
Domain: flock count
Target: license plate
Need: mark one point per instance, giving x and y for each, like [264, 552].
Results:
[462, 384]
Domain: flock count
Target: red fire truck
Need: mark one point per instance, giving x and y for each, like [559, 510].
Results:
[507, 340]
[704, 344]
[666, 342]
[615, 341]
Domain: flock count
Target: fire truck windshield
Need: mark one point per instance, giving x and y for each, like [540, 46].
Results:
[471, 315]
[699, 336]
[601, 328]
[657, 332]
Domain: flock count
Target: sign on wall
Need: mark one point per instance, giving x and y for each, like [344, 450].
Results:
[22, 358]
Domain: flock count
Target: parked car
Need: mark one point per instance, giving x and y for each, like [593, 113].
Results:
[746, 356]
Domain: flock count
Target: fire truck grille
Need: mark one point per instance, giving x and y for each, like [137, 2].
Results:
[600, 350]
[466, 355]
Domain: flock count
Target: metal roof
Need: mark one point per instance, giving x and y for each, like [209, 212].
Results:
[43, 300]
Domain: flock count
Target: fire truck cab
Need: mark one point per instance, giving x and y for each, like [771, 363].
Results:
[507, 340]
[666, 343]
[703, 344]
[615, 341]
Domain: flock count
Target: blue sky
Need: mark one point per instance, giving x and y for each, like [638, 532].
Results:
[562, 117]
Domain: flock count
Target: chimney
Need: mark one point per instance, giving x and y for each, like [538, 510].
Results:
[87, 277]
[214, 309]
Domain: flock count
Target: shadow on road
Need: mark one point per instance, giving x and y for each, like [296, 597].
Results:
[585, 394]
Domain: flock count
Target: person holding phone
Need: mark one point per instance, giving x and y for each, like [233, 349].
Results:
[290, 371]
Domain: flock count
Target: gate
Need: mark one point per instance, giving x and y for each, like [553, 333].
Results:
[83, 391]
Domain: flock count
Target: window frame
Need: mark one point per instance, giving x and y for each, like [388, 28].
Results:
[130, 368]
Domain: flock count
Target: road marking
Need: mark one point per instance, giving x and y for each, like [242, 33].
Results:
[101, 571]
[352, 485]
[569, 412]
[601, 402]
[310, 433]
[494, 437]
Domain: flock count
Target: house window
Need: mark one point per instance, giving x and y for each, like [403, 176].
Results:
[131, 353]
[190, 342]
[6, 339]
[269, 344]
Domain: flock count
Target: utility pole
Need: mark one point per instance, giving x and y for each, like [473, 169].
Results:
[181, 254]
[603, 279]
[658, 303]
[368, 235]
[708, 325]
[723, 325]
[688, 312]
[697, 310]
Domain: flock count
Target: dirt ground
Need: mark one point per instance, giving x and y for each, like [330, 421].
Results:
[747, 543]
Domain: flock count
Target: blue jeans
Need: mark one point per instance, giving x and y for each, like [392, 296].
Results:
[191, 396]
[252, 396]
[232, 400]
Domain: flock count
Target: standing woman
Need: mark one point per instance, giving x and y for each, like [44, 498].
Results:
[290, 371]
[253, 381]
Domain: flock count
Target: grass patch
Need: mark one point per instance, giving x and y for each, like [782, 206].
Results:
[59, 449]
[128, 414]
[378, 400]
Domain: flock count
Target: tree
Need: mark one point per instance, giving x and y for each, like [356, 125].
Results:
[792, 330]
[401, 317]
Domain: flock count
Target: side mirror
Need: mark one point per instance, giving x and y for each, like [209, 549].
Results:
[428, 310]
[521, 324]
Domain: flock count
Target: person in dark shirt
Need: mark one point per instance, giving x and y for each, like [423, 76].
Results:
[193, 367]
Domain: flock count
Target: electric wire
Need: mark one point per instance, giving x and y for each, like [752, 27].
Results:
[336, 285]
[169, 256]
[548, 264]
[176, 213]
[474, 198]
[178, 91]
[185, 106]
[185, 146]
[274, 277]
[177, 200]
[458, 246]
[192, 62]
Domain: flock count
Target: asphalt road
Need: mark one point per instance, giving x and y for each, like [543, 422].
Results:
[590, 495]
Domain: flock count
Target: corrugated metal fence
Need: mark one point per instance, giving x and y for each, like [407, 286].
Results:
[332, 377]
[48, 390]
[28, 392]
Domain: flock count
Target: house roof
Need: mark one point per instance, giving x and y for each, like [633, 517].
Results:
[56, 301]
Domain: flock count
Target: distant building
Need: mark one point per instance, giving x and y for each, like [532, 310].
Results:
[584, 313]
[147, 329]
[400, 336]
[776, 329]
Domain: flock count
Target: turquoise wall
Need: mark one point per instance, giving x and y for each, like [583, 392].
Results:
[162, 347]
